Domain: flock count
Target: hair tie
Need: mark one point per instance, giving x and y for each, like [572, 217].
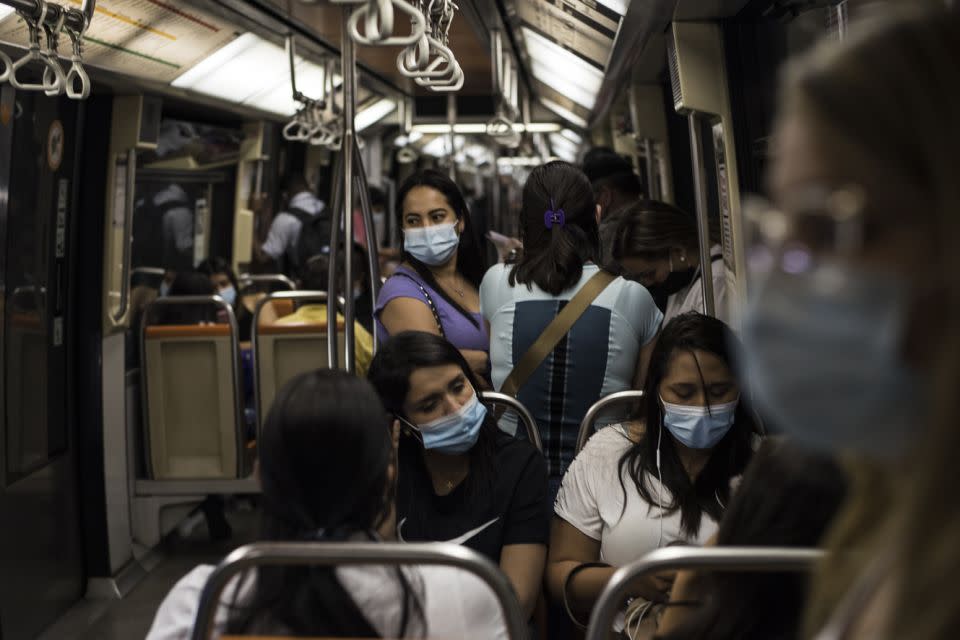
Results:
[554, 216]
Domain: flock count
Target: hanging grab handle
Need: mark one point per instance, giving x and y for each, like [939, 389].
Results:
[378, 16]
[53, 75]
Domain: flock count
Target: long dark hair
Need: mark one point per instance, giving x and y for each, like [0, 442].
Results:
[390, 374]
[212, 266]
[788, 498]
[553, 258]
[650, 228]
[470, 262]
[189, 283]
[324, 452]
[689, 332]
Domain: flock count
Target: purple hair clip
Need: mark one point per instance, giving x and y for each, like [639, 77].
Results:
[554, 216]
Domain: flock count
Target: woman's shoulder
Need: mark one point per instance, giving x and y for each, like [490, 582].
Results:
[608, 442]
[175, 615]
[404, 283]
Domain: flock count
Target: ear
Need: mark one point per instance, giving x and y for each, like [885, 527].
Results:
[461, 225]
[599, 209]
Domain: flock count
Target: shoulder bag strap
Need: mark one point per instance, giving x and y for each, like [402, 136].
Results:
[555, 331]
[429, 300]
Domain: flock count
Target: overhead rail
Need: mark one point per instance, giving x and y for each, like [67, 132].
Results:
[740, 559]
[327, 554]
[46, 22]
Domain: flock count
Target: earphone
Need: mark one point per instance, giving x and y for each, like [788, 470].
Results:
[660, 487]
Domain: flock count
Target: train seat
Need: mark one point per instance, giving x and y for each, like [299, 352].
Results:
[191, 401]
[282, 350]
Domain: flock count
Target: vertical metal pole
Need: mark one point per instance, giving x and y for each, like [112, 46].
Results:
[349, 72]
[451, 121]
[373, 265]
[336, 211]
[703, 223]
[653, 181]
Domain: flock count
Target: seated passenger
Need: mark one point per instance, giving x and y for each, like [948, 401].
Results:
[225, 282]
[315, 278]
[658, 246]
[189, 283]
[435, 288]
[788, 498]
[661, 479]
[607, 347]
[462, 479]
[327, 473]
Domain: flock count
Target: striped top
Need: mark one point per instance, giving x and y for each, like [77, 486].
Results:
[596, 358]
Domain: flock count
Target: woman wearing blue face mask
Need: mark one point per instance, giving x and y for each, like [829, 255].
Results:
[661, 479]
[224, 281]
[460, 478]
[435, 288]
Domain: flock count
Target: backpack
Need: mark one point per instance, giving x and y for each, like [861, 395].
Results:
[314, 239]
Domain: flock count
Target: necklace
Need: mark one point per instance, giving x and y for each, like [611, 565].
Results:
[453, 285]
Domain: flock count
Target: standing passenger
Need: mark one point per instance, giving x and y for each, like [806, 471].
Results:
[303, 207]
[462, 480]
[327, 474]
[607, 347]
[435, 288]
[658, 246]
[851, 341]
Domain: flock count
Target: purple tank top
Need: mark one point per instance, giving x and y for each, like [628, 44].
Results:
[459, 331]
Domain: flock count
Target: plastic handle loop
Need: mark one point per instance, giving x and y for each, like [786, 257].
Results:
[378, 16]
[296, 131]
[77, 72]
[442, 68]
[499, 127]
[406, 155]
[53, 75]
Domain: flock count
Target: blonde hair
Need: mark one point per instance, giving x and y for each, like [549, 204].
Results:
[886, 102]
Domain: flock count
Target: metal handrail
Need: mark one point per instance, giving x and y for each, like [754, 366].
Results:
[533, 431]
[747, 559]
[317, 296]
[353, 553]
[126, 254]
[219, 302]
[586, 426]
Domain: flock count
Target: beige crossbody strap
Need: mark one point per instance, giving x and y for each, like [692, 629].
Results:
[555, 331]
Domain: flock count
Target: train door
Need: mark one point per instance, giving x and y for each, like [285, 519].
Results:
[40, 544]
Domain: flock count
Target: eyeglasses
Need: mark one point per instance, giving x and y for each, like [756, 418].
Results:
[813, 226]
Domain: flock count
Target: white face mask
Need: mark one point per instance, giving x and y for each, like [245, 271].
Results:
[433, 245]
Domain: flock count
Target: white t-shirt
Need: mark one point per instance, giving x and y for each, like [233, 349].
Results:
[691, 298]
[456, 603]
[591, 500]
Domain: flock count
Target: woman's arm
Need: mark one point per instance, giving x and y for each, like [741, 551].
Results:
[523, 565]
[408, 314]
[478, 360]
[569, 548]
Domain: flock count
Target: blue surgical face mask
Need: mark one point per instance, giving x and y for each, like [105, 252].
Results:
[821, 353]
[457, 432]
[699, 427]
[229, 294]
[433, 245]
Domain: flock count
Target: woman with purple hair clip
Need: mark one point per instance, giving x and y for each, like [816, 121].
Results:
[564, 333]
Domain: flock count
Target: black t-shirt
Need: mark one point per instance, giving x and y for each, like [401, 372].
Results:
[515, 511]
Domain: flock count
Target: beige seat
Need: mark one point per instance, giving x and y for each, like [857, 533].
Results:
[191, 401]
[282, 352]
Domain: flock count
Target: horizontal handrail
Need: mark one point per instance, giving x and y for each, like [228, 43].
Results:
[586, 426]
[533, 431]
[747, 559]
[271, 278]
[353, 553]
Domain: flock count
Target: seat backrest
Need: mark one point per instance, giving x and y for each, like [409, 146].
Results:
[283, 351]
[495, 399]
[190, 401]
[740, 559]
[357, 553]
[590, 421]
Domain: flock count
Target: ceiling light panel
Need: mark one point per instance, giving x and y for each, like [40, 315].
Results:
[254, 72]
[373, 114]
[564, 113]
[588, 31]
[562, 70]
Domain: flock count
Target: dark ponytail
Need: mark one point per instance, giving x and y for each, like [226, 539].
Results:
[553, 257]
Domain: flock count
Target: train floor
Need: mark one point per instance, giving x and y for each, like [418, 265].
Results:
[130, 617]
